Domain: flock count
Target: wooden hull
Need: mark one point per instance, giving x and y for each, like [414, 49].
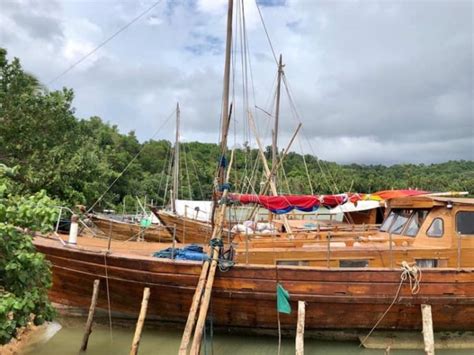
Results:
[245, 296]
[124, 231]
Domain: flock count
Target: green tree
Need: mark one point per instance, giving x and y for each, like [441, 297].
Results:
[25, 275]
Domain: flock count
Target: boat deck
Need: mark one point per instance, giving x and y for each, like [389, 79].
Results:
[117, 247]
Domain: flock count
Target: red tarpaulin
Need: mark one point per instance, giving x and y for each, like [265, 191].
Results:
[308, 203]
[286, 203]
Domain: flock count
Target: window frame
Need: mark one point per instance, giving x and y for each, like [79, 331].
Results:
[456, 222]
[432, 223]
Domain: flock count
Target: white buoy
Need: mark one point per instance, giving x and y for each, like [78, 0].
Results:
[73, 230]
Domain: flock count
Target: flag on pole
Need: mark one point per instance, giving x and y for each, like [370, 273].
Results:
[283, 300]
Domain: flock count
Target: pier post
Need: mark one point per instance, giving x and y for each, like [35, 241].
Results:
[90, 317]
[300, 329]
[141, 320]
[428, 336]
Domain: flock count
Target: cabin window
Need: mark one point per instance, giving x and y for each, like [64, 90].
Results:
[353, 263]
[404, 219]
[436, 229]
[401, 219]
[415, 222]
[465, 222]
[427, 263]
[293, 262]
[387, 223]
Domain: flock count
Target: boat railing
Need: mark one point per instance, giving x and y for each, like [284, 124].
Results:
[67, 209]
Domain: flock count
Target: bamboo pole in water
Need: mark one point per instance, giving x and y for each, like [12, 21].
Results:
[204, 306]
[141, 320]
[90, 317]
[428, 336]
[300, 329]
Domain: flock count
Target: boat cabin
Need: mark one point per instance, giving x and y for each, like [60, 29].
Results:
[432, 232]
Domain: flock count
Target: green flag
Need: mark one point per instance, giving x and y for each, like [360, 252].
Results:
[145, 222]
[283, 300]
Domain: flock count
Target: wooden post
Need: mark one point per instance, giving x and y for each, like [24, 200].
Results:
[141, 320]
[90, 317]
[300, 329]
[328, 237]
[390, 240]
[428, 336]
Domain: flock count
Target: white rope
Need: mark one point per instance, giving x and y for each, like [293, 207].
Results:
[413, 274]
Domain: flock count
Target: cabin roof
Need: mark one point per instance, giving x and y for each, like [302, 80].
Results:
[427, 201]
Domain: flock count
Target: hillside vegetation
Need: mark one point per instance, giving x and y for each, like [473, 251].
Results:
[76, 160]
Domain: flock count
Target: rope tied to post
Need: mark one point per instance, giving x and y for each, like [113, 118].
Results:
[412, 273]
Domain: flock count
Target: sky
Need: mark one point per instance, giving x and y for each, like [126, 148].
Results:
[372, 82]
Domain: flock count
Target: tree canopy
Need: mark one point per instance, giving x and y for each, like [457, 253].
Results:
[76, 160]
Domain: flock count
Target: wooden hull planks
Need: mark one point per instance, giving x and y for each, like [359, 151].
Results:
[244, 297]
[187, 230]
[124, 231]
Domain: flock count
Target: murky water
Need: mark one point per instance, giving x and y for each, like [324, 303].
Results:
[64, 337]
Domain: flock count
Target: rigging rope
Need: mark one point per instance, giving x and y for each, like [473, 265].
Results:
[168, 174]
[187, 173]
[130, 163]
[115, 34]
[108, 295]
[266, 32]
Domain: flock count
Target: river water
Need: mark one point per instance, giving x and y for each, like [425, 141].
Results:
[64, 337]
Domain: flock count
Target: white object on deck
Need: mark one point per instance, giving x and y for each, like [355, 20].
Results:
[73, 230]
[200, 210]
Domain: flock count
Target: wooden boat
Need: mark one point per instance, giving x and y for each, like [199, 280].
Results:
[121, 230]
[350, 285]
[185, 229]
[357, 285]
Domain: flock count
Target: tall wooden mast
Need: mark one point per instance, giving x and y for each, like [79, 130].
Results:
[225, 94]
[174, 195]
[277, 116]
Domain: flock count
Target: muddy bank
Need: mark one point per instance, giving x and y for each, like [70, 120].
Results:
[30, 337]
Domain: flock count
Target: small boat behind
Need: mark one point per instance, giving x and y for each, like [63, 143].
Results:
[142, 230]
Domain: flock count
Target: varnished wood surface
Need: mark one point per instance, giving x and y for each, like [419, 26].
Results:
[245, 295]
[187, 230]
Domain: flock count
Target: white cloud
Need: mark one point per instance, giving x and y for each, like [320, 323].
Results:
[372, 81]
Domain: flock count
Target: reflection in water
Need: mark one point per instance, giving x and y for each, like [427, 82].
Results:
[66, 340]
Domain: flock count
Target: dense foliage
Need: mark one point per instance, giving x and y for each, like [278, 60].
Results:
[75, 160]
[24, 274]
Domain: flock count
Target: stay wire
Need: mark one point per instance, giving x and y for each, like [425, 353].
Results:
[266, 32]
[115, 34]
[130, 163]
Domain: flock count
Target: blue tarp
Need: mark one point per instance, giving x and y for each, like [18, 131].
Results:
[190, 252]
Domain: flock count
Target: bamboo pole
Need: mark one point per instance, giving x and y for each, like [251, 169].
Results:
[204, 305]
[90, 317]
[275, 168]
[428, 336]
[267, 170]
[141, 320]
[183, 347]
[300, 329]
